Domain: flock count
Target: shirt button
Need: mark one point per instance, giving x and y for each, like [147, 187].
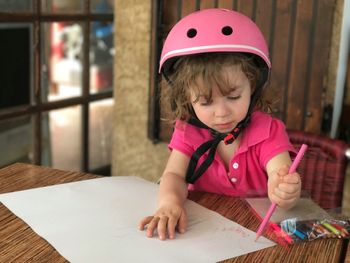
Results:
[235, 165]
[233, 179]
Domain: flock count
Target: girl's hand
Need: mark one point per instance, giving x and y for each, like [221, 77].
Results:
[283, 188]
[166, 219]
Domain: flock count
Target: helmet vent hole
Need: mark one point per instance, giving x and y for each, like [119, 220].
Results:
[191, 33]
[227, 30]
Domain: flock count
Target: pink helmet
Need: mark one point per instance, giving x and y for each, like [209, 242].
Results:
[214, 30]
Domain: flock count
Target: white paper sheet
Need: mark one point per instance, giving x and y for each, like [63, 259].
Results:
[96, 221]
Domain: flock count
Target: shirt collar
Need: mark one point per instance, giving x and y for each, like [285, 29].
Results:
[257, 131]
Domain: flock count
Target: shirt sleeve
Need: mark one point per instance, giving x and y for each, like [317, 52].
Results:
[179, 140]
[276, 143]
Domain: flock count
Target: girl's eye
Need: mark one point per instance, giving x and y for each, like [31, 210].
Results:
[206, 103]
[234, 97]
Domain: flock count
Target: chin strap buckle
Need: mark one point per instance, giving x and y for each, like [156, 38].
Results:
[229, 138]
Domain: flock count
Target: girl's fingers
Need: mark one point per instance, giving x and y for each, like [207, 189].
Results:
[283, 202]
[283, 195]
[273, 181]
[164, 224]
[144, 222]
[162, 227]
[152, 226]
[171, 227]
[182, 224]
[288, 188]
[292, 179]
[283, 170]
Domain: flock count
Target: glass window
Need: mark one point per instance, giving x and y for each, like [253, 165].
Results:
[62, 64]
[62, 138]
[101, 56]
[16, 140]
[15, 77]
[15, 5]
[100, 133]
[102, 6]
[62, 6]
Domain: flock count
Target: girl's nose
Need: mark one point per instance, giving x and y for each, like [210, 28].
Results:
[222, 109]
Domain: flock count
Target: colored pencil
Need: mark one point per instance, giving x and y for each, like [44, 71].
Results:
[342, 230]
[307, 228]
[299, 234]
[332, 229]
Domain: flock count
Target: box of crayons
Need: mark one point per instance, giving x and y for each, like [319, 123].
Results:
[307, 230]
[306, 221]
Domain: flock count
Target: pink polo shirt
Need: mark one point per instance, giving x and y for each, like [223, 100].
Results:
[262, 139]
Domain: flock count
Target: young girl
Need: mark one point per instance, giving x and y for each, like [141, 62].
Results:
[216, 64]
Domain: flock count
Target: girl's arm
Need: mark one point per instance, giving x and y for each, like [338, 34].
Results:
[283, 188]
[172, 195]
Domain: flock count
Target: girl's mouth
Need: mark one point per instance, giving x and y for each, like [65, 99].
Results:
[224, 126]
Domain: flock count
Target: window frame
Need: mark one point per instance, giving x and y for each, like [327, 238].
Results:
[37, 107]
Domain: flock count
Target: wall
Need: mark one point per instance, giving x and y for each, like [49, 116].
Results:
[334, 53]
[133, 153]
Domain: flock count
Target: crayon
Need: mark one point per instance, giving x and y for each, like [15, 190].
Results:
[331, 228]
[293, 230]
[320, 230]
[299, 234]
[279, 232]
[341, 229]
[307, 228]
[316, 229]
[325, 230]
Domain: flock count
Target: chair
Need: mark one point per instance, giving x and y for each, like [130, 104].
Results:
[323, 167]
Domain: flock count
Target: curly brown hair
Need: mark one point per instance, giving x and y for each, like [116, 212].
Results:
[176, 91]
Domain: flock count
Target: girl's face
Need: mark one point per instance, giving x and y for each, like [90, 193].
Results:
[223, 112]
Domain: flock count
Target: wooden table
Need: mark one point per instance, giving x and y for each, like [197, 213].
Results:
[20, 244]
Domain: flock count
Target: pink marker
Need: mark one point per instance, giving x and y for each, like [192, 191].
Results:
[273, 205]
[279, 232]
